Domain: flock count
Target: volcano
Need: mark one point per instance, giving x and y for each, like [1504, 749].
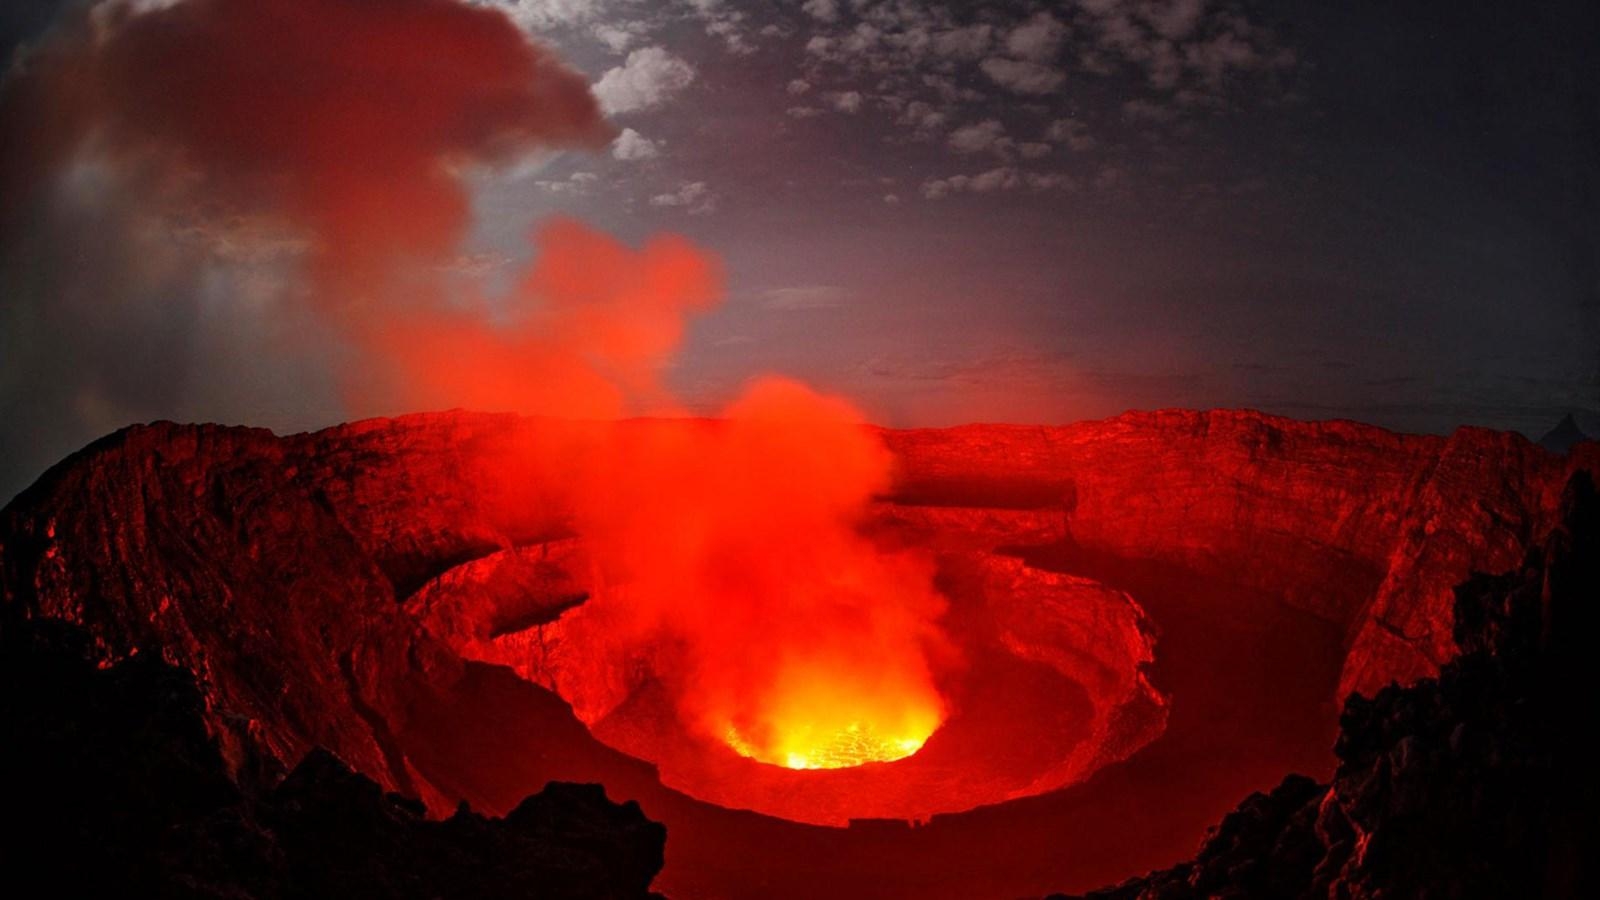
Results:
[1144, 618]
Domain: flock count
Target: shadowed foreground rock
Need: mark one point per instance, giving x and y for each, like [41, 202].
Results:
[1478, 783]
[113, 787]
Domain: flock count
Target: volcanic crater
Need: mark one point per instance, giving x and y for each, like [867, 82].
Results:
[1149, 616]
[1050, 684]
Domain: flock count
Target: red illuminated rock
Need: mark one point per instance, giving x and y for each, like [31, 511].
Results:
[1074, 651]
[278, 569]
[1475, 784]
[1364, 527]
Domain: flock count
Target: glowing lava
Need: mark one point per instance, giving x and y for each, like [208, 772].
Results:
[731, 555]
[856, 744]
[830, 720]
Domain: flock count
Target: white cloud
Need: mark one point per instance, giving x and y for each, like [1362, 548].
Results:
[846, 101]
[862, 39]
[802, 112]
[576, 183]
[724, 21]
[527, 165]
[650, 76]
[543, 15]
[969, 42]
[923, 116]
[631, 145]
[1179, 41]
[994, 180]
[618, 36]
[1073, 133]
[1022, 76]
[732, 34]
[1034, 149]
[1037, 39]
[693, 196]
[988, 135]
[1000, 178]
[799, 86]
[822, 10]
[1003, 178]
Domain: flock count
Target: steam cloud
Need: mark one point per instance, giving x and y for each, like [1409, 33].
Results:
[196, 192]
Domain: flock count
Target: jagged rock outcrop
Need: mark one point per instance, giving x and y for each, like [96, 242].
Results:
[114, 786]
[1364, 527]
[1474, 784]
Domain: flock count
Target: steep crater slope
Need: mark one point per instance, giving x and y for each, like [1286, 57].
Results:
[1476, 783]
[293, 576]
[1051, 684]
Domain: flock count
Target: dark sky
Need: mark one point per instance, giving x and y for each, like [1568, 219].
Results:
[1008, 211]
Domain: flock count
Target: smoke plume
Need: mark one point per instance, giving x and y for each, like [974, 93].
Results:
[203, 192]
[195, 197]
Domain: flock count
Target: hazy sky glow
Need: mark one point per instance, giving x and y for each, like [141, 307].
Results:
[1003, 211]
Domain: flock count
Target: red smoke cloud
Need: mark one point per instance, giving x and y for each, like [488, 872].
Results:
[347, 119]
[350, 123]
[733, 545]
[586, 333]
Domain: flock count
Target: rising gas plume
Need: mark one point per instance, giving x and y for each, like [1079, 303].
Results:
[734, 544]
[327, 142]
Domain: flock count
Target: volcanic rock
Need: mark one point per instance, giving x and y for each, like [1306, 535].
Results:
[114, 787]
[1472, 784]
[275, 568]
[304, 580]
[1364, 527]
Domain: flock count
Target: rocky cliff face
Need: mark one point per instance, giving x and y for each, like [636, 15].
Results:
[1364, 527]
[1474, 784]
[277, 569]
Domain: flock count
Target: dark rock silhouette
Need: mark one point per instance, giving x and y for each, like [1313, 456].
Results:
[1473, 784]
[1564, 436]
[114, 788]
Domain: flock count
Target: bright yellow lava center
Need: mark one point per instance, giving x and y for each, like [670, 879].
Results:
[853, 745]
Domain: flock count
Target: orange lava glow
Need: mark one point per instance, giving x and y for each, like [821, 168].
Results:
[731, 553]
[807, 747]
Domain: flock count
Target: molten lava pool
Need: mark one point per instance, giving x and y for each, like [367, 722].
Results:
[1047, 684]
[857, 744]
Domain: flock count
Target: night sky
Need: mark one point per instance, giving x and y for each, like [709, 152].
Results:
[1023, 211]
